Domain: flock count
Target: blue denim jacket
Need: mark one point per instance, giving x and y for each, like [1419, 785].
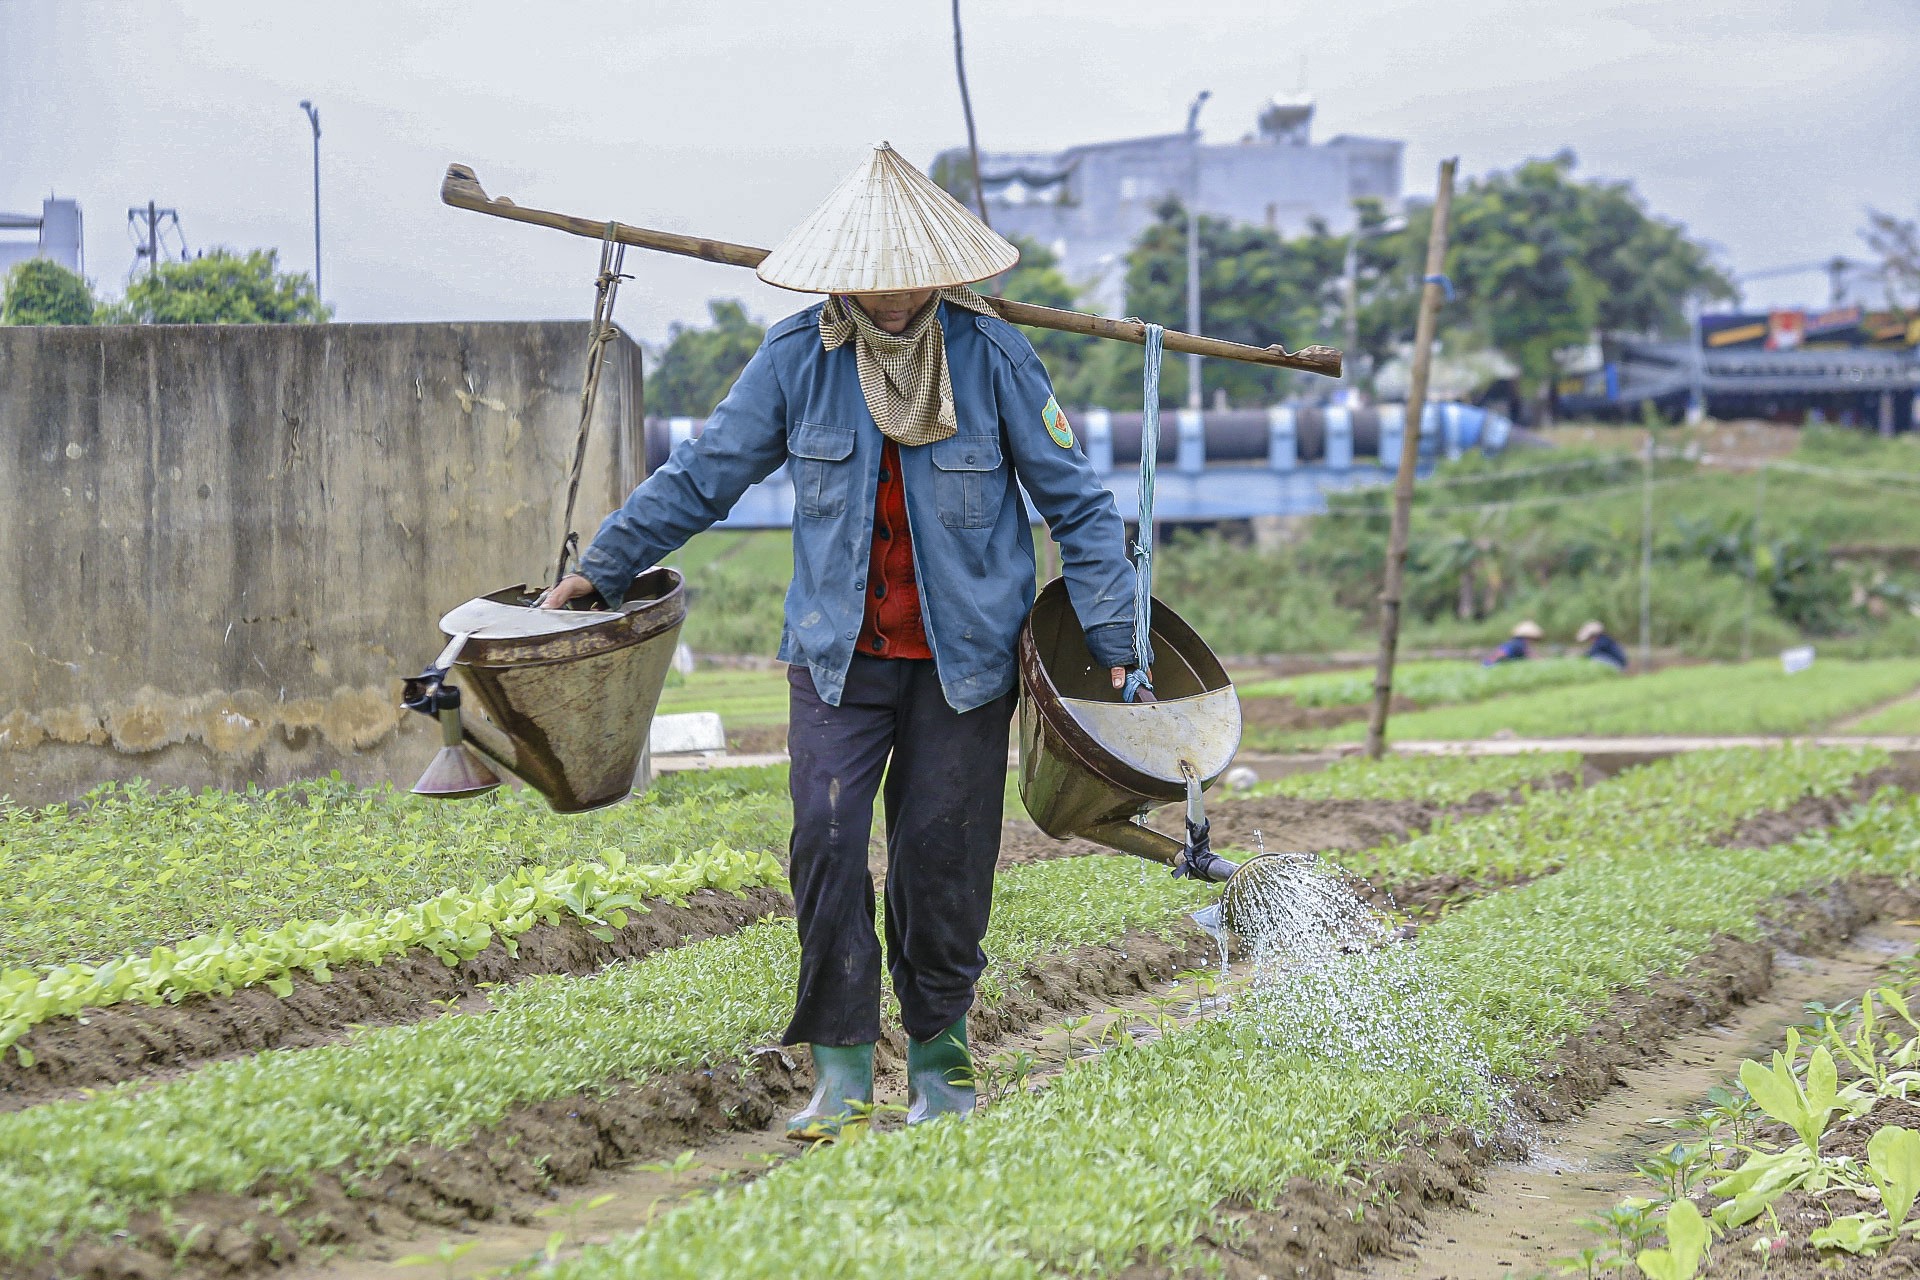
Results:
[973, 553]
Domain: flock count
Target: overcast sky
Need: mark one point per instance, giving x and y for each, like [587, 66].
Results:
[1766, 126]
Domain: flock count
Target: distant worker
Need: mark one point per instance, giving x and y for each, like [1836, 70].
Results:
[1602, 647]
[910, 417]
[1514, 647]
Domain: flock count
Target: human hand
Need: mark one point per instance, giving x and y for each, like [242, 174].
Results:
[571, 587]
[1119, 675]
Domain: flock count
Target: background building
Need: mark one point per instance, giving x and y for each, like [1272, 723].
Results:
[54, 233]
[1089, 203]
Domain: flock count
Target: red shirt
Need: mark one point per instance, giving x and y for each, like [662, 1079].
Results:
[893, 627]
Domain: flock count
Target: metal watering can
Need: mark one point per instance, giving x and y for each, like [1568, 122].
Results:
[566, 696]
[1091, 765]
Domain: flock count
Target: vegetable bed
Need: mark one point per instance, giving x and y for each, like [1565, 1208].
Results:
[1748, 698]
[1130, 1155]
[85, 1166]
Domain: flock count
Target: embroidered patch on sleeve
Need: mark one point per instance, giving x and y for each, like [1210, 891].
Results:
[1057, 425]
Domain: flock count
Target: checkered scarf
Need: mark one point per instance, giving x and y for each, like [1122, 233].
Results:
[903, 375]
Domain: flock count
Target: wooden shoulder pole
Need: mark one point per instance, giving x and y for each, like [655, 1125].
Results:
[1391, 589]
[462, 190]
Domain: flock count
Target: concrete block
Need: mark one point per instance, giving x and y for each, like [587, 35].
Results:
[688, 733]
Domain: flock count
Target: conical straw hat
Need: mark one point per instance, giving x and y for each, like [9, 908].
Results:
[887, 228]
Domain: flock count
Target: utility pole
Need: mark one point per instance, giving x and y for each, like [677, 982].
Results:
[1646, 546]
[146, 222]
[1432, 290]
[313, 118]
[1193, 244]
[966, 108]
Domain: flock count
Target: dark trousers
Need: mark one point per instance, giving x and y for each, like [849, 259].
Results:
[945, 773]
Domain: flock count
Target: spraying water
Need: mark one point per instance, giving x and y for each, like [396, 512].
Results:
[1325, 974]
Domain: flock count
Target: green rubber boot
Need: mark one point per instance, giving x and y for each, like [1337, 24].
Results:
[843, 1075]
[939, 1075]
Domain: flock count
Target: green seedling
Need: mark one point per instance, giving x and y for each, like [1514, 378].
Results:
[1778, 1092]
[1893, 1164]
[1855, 1233]
[1676, 1169]
[1687, 1239]
[1587, 1262]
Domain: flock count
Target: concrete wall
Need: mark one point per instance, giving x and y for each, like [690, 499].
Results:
[221, 547]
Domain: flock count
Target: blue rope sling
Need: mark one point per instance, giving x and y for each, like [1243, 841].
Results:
[1138, 678]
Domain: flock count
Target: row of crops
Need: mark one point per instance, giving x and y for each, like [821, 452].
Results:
[1723, 700]
[1129, 1152]
[1134, 1151]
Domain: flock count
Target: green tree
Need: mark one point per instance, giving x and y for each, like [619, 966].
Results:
[1081, 367]
[222, 287]
[1517, 250]
[1896, 242]
[698, 367]
[1645, 266]
[41, 291]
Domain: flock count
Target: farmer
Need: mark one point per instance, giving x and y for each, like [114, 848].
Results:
[1514, 647]
[904, 410]
[1602, 647]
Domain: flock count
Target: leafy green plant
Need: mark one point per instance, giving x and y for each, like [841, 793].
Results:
[1687, 1239]
[1748, 698]
[1435, 779]
[454, 926]
[1893, 1163]
[131, 867]
[1433, 682]
[1805, 1108]
[1127, 1156]
[352, 1105]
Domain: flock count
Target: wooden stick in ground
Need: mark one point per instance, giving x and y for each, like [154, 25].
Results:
[1390, 591]
[463, 191]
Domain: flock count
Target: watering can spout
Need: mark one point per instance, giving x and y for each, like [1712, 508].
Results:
[565, 697]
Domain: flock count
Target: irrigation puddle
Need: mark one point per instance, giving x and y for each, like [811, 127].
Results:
[1527, 1213]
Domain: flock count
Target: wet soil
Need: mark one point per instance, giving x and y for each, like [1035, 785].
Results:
[1527, 1212]
[539, 1153]
[104, 1046]
[1313, 1229]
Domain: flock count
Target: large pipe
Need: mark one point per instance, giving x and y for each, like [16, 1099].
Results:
[462, 190]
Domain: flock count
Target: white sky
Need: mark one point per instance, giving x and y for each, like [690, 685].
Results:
[1767, 126]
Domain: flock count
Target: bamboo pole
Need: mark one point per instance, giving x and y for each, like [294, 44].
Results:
[462, 190]
[1391, 589]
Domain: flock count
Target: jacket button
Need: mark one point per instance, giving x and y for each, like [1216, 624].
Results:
[859, 584]
[969, 457]
[880, 591]
[851, 635]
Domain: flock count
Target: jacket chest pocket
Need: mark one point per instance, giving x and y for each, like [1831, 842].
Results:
[820, 458]
[968, 481]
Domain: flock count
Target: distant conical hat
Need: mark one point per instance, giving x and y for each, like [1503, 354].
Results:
[887, 228]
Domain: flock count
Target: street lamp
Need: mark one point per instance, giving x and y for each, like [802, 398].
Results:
[1193, 244]
[1350, 281]
[313, 118]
